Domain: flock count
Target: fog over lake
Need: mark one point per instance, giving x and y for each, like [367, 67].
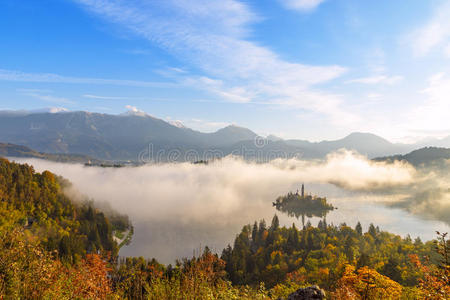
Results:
[178, 208]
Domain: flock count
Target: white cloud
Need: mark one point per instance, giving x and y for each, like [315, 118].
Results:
[378, 79]
[50, 98]
[434, 34]
[302, 5]
[433, 113]
[176, 123]
[138, 51]
[52, 110]
[211, 35]
[11, 75]
[46, 91]
[104, 97]
[374, 96]
[134, 111]
[447, 50]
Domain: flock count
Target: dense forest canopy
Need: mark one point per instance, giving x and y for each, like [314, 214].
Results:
[318, 255]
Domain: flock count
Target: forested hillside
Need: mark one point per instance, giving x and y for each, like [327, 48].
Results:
[37, 203]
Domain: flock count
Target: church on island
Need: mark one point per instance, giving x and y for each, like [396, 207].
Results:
[302, 201]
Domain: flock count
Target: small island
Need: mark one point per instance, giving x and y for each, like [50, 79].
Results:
[303, 205]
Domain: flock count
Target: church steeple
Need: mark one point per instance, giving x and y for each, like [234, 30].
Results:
[303, 190]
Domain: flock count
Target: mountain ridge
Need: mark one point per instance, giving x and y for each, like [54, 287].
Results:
[125, 136]
[422, 157]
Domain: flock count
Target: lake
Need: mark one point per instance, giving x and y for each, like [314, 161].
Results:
[177, 209]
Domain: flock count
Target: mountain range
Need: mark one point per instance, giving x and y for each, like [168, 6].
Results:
[138, 136]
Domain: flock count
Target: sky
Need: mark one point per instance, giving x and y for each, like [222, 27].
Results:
[306, 69]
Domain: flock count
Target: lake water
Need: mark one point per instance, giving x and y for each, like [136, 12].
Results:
[170, 239]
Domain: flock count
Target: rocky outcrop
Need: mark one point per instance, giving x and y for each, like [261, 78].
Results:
[310, 292]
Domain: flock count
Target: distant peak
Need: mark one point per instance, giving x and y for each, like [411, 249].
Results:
[234, 127]
[177, 123]
[273, 138]
[134, 111]
[52, 110]
[357, 133]
[363, 135]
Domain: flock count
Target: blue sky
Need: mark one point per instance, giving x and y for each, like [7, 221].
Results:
[308, 69]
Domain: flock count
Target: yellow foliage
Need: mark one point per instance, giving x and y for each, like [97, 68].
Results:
[366, 283]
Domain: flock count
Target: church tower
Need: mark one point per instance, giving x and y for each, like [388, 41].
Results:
[303, 190]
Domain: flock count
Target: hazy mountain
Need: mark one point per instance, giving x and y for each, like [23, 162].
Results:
[365, 143]
[11, 150]
[230, 135]
[274, 138]
[133, 135]
[443, 142]
[421, 157]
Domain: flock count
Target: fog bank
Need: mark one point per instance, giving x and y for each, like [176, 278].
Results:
[178, 207]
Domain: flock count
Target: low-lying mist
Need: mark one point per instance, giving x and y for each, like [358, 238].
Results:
[178, 207]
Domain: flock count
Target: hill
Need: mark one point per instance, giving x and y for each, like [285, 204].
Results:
[11, 150]
[52, 247]
[424, 157]
[367, 144]
[37, 202]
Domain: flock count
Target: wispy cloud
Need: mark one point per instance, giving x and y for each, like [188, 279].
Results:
[104, 97]
[50, 98]
[434, 34]
[302, 5]
[26, 90]
[432, 113]
[377, 79]
[212, 36]
[107, 97]
[137, 51]
[11, 75]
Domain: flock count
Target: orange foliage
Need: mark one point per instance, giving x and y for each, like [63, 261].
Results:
[435, 283]
[296, 276]
[366, 283]
[90, 278]
[29, 272]
[208, 266]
